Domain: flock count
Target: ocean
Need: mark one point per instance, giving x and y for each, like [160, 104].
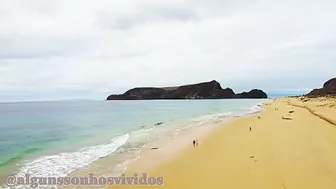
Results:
[57, 138]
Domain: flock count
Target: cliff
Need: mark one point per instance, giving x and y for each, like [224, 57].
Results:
[206, 90]
[329, 88]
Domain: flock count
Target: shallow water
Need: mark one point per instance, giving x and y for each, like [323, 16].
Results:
[56, 138]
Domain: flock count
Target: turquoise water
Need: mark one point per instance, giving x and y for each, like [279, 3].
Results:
[56, 138]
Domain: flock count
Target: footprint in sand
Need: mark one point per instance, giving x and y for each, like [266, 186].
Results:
[252, 157]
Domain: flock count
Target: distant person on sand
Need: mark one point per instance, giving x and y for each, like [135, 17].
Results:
[194, 143]
[250, 128]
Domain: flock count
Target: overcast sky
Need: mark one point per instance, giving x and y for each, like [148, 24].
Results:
[58, 49]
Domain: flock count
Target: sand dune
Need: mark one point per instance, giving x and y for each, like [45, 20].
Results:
[323, 107]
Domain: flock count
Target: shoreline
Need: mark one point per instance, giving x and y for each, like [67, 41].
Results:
[265, 157]
[170, 149]
[167, 149]
[146, 158]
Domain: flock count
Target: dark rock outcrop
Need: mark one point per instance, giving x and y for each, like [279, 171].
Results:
[206, 90]
[140, 94]
[329, 88]
[255, 93]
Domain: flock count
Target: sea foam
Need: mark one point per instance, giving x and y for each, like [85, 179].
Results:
[61, 164]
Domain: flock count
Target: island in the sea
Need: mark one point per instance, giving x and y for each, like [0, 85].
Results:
[206, 90]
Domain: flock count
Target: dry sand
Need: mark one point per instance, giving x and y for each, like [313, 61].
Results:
[298, 153]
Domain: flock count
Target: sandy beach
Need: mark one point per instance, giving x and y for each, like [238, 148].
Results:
[283, 150]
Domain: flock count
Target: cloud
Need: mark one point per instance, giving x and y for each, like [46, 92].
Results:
[151, 14]
[91, 49]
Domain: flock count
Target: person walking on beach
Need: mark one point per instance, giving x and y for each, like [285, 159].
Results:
[194, 143]
[250, 128]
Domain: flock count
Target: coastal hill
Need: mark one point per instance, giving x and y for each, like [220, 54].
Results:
[329, 88]
[206, 90]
